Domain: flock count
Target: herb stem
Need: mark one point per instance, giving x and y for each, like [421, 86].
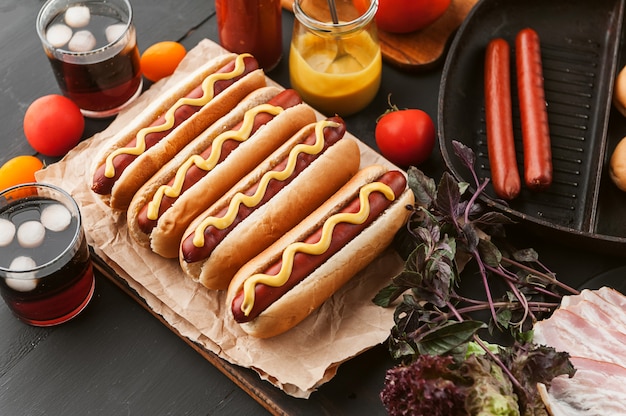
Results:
[483, 273]
[474, 197]
[548, 277]
[513, 278]
[477, 307]
[454, 311]
[522, 300]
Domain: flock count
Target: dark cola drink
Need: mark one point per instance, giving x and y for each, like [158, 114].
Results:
[46, 275]
[92, 48]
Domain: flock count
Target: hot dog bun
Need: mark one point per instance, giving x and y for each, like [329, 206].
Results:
[318, 286]
[315, 184]
[165, 237]
[149, 161]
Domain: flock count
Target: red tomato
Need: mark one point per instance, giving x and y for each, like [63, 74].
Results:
[404, 16]
[405, 137]
[53, 125]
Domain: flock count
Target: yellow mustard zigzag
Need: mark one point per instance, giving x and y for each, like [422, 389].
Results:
[313, 248]
[250, 201]
[168, 123]
[241, 135]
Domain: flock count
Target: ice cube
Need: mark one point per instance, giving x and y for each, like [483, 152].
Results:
[114, 32]
[58, 35]
[7, 232]
[23, 282]
[77, 16]
[56, 217]
[82, 41]
[31, 234]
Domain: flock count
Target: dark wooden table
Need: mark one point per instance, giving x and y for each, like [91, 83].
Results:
[116, 358]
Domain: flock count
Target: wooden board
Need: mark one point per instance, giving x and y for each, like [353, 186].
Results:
[425, 48]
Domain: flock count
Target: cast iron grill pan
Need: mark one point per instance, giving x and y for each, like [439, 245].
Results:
[579, 47]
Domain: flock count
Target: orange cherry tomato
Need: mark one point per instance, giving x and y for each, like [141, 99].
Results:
[161, 59]
[53, 124]
[20, 169]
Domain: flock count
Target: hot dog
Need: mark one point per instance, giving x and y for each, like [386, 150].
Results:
[285, 283]
[533, 112]
[499, 120]
[211, 164]
[173, 119]
[284, 189]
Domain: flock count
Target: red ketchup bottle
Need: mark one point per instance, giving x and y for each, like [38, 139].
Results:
[252, 26]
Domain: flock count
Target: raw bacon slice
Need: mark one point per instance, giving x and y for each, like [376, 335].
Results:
[566, 331]
[600, 315]
[601, 367]
[613, 296]
[581, 395]
[610, 300]
[591, 327]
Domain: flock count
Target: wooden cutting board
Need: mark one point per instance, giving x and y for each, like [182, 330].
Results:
[422, 49]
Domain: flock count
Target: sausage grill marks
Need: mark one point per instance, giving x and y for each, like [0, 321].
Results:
[194, 250]
[108, 173]
[362, 211]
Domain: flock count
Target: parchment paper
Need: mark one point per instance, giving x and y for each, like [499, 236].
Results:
[298, 361]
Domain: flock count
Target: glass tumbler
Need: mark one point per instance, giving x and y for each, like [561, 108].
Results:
[335, 60]
[46, 274]
[92, 48]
